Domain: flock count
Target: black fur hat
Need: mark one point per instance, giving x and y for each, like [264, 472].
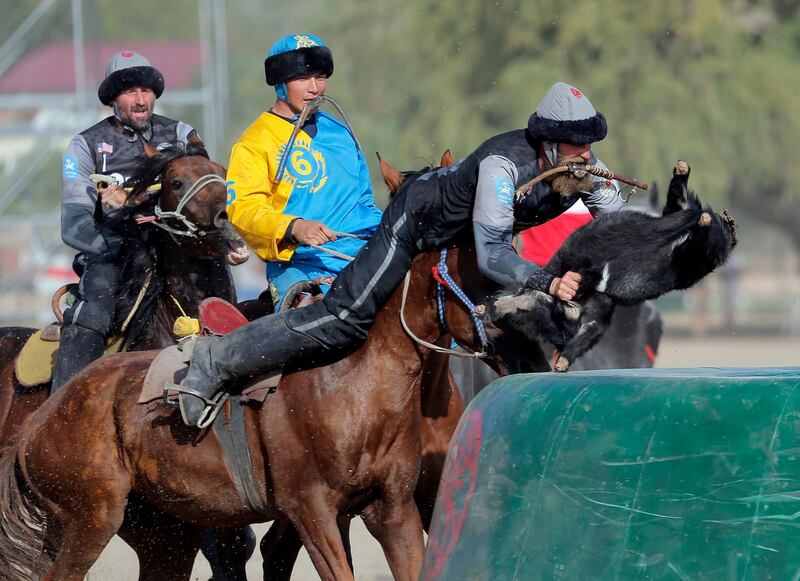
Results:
[565, 115]
[296, 56]
[125, 70]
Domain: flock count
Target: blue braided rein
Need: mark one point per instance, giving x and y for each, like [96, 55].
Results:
[451, 284]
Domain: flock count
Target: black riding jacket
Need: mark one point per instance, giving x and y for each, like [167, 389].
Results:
[479, 190]
[107, 148]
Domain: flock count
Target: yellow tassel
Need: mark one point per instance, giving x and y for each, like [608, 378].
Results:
[185, 326]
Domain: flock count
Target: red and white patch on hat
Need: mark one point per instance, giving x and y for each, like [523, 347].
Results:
[126, 54]
[575, 92]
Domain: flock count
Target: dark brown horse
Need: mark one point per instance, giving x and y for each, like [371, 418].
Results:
[329, 443]
[186, 269]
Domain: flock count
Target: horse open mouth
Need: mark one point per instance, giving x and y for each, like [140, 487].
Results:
[237, 251]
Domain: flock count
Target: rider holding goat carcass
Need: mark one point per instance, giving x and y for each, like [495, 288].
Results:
[424, 214]
[295, 182]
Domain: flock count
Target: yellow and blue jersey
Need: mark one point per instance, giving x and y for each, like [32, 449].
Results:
[325, 178]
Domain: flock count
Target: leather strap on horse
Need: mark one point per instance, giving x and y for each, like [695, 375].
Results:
[232, 438]
[445, 281]
[139, 298]
[431, 346]
[579, 170]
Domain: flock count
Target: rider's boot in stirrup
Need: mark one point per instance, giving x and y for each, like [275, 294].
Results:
[262, 346]
[78, 347]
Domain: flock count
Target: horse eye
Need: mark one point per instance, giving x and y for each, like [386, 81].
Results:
[176, 184]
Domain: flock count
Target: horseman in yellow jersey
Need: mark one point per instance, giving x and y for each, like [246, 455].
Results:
[285, 195]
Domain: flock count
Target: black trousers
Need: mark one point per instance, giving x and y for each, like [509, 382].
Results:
[99, 292]
[345, 315]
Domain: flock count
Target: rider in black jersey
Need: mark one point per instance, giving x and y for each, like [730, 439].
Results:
[426, 213]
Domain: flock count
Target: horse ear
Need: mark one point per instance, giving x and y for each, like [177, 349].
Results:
[391, 176]
[447, 158]
[149, 150]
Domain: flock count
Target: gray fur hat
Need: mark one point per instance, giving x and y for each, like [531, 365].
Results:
[565, 115]
[125, 70]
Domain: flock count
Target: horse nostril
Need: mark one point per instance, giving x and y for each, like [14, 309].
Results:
[221, 220]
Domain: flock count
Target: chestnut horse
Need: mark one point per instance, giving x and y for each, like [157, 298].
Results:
[186, 269]
[330, 442]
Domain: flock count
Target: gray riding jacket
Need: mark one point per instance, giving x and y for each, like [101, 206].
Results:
[496, 216]
[112, 149]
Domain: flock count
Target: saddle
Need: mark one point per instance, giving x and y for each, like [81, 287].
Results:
[219, 317]
[36, 360]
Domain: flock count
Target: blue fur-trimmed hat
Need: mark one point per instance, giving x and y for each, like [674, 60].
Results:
[565, 115]
[297, 55]
[125, 70]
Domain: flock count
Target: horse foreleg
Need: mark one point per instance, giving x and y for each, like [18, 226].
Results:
[282, 543]
[316, 521]
[166, 547]
[398, 528]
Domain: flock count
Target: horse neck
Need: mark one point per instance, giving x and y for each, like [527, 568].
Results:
[190, 279]
[187, 280]
[391, 346]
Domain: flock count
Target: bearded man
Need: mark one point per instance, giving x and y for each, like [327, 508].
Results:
[113, 147]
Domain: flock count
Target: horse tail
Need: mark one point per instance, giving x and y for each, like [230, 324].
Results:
[22, 524]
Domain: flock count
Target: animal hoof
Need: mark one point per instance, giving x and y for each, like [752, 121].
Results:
[572, 310]
[562, 364]
[705, 219]
[681, 168]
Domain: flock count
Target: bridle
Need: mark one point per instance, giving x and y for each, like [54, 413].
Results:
[191, 229]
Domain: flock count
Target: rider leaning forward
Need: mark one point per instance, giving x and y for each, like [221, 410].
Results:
[113, 147]
[324, 187]
[425, 214]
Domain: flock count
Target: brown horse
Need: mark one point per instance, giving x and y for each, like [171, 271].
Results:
[441, 408]
[329, 443]
[186, 269]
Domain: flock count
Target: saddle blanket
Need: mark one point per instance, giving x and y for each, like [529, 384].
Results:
[171, 365]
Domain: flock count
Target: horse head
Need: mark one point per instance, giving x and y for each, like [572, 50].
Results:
[191, 202]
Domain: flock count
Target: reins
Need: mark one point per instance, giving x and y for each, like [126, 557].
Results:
[444, 280]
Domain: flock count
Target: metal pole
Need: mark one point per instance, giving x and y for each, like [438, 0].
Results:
[6, 50]
[221, 62]
[79, 54]
[210, 129]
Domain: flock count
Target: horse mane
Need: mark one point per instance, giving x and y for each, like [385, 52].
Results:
[151, 169]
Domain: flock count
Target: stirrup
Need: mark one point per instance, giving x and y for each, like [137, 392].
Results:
[213, 405]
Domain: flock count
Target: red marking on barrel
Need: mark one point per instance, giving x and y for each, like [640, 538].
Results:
[455, 496]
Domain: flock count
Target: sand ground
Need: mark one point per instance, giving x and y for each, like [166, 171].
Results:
[118, 562]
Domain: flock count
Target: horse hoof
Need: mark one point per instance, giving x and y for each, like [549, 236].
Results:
[681, 168]
[562, 364]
